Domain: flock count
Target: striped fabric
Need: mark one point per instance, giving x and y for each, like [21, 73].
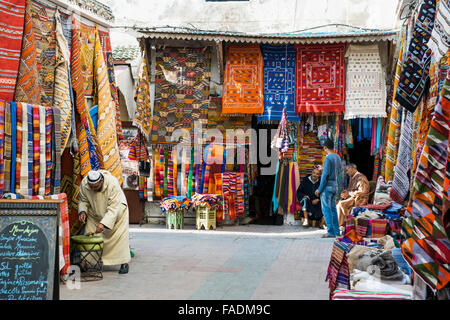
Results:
[48, 148]
[36, 150]
[106, 133]
[42, 151]
[22, 179]
[7, 150]
[30, 140]
[2, 145]
[427, 249]
[19, 140]
[338, 270]
[440, 36]
[56, 153]
[378, 227]
[12, 15]
[170, 174]
[401, 182]
[61, 98]
[13, 146]
[27, 87]
[346, 294]
[143, 114]
[394, 120]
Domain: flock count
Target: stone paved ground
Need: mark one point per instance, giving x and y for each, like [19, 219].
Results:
[234, 262]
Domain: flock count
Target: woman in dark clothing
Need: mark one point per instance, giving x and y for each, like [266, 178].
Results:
[309, 202]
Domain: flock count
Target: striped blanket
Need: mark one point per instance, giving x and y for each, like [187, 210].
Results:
[338, 271]
[346, 294]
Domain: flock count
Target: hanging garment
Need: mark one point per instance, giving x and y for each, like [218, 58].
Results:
[440, 36]
[27, 87]
[365, 95]
[279, 82]
[22, 178]
[57, 152]
[243, 80]
[320, 78]
[143, 114]
[106, 133]
[414, 76]
[12, 17]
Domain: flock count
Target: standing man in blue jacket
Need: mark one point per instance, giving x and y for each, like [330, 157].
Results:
[328, 189]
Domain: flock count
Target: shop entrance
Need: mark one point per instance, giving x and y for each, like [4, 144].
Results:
[360, 155]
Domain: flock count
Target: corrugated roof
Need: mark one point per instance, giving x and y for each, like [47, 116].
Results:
[126, 53]
[274, 38]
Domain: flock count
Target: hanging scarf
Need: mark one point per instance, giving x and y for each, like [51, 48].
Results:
[42, 151]
[143, 114]
[57, 152]
[2, 145]
[22, 178]
[48, 148]
[191, 168]
[15, 122]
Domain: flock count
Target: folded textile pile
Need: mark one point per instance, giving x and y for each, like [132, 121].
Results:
[381, 265]
[211, 201]
[175, 203]
[345, 294]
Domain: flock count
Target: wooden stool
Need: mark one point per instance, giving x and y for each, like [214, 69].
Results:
[205, 218]
[175, 219]
[87, 254]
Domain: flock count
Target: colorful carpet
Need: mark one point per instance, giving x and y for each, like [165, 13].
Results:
[320, 78]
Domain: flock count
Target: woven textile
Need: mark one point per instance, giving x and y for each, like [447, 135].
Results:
[57, 152]
[181, 91]
[279, 82]
[346, 294]
[19, 144]
[23, 174]
[12, 15]
[62, 83]
[27, 87]
[338, 271]
[440, 36]
[401, 182]
[36, 149]
[48, 148]
[42, 150]
[106, 133]
[378, 228]
[90, 156]
[2, 145]
[366, 87]
[44, 31]
[7, 149]
[222, 122]
[320, 78]
[143, 114]
[309, 154]
[362, 225]
[138, 149]
[87, 40]
[394, 119]
[231, 186]
[243, 80]
[427, 248]
[414, 76]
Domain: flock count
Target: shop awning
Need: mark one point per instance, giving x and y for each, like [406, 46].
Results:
[278, 38]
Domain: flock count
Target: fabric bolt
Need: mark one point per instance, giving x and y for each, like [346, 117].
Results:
[106, 133]
[320, 78]
[243, 80]
[279, 82]
[414, 76]
[440, 36]
[181, 91]
[62, 99]
[12, 17]
[7, 149]
[44, 30]
[365, 94]
[27, 86]
[143, 114]
[401, 182]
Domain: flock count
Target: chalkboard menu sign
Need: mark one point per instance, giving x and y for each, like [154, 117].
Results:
[28, 247]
